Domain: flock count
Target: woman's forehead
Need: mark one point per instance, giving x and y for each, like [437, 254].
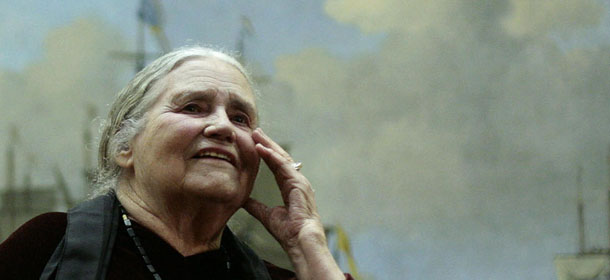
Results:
[202, 74]
[210, 72]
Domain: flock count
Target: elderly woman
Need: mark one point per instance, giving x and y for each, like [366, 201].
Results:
[177, 158]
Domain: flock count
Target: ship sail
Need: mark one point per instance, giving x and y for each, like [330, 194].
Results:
[582, 267]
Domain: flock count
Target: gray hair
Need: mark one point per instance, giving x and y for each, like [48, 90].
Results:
[127, 114]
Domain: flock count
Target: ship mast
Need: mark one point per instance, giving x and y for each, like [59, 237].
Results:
[608, 193]
[88, 170]
[581, 213]
[10, 176]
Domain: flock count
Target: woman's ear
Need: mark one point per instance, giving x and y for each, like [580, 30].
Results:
[124, 158]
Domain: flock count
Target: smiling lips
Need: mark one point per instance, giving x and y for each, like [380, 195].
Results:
[215, 154]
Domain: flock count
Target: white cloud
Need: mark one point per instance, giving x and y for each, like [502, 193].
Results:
[48, 100]
[391, 15]
[536, 18]
[456, 131]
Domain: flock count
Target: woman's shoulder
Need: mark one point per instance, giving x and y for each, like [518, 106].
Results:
[41, 228]
[25, 252]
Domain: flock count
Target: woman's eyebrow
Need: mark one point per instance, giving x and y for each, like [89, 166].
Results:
[207, 95]
[237, 102]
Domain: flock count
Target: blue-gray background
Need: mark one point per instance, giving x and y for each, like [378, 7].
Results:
[444, 136]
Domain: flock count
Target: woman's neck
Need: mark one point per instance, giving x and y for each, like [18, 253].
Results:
[190, 226]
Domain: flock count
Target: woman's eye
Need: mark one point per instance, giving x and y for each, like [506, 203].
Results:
[240, 119]
[192, 108]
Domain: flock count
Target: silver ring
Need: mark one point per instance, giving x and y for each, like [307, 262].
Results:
[297, 165]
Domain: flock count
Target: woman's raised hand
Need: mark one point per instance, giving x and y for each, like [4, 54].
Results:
[296, 225]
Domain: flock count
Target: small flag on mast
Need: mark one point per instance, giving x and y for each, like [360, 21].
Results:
[150, 13]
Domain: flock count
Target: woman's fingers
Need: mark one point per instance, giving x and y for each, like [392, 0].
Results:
[289, 180]
[279, 161]
[278, 164]
[260, 137]
[282, 174]
[273, 154]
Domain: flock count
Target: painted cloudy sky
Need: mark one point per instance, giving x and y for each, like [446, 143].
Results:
[445, 136]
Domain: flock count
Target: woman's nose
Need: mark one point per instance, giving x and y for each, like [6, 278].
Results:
[220, 128]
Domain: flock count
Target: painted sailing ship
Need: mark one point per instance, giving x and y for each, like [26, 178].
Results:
[587, 264]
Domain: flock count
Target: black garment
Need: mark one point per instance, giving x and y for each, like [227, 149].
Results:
[24, 254]
[168, 262]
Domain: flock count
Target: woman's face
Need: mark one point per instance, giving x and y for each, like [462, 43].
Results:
[197, 138]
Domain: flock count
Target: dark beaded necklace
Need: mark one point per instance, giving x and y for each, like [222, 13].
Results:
[142, 252]
[136, 240]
